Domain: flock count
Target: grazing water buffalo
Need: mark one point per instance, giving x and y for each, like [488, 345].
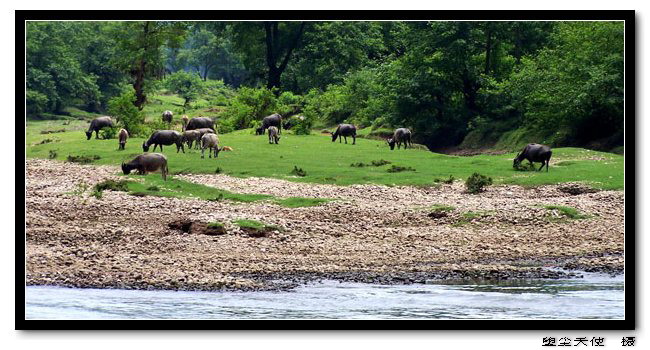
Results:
[184, 120]
[401, 135]
[123, 135]
[210, 141]
[202, 132]
[164, 137]
[272, 120]
[191, 136]
[273, 135]
[534, 152]
[167, 116]
[147, 162]
[345, 130]
[200, 122]
[97, 124]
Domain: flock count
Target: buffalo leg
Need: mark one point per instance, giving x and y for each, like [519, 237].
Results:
[354, 139]
[540, 168]
[547, 161]
[97, 134]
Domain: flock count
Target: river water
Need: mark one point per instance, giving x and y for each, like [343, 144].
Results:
[594, 297]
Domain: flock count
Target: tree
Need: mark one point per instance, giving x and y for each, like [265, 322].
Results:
[141, 51]
[267, 47]
[55, 77]
[185, 84]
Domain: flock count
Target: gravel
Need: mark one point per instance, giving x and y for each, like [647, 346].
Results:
[369, 233]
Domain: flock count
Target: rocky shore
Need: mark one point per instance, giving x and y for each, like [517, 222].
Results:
[369, 233]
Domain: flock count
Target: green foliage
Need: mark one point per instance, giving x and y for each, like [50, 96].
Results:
[442, 208]
[248, 105]
[52, 154]
[127, 114]
[187, 85]
[583, 90]
[477, 182]
[449, 180]
[108, 133]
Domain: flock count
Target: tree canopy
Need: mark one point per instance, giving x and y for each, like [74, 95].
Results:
[448, 81]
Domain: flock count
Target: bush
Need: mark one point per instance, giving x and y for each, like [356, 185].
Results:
[477, 182]
[399, 169]
[127, 114]
[112, 185]
[302, 126]
[52, 154]
[250, 104]
[298, 171]
[108, 133]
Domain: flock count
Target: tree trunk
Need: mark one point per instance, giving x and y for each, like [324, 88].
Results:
[488, 48]
[273, 51]
[139, 73]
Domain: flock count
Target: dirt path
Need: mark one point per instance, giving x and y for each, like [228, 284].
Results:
[370, 233]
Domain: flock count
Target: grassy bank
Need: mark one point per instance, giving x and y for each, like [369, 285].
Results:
[325, 162]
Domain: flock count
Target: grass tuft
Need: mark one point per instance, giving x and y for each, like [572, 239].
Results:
[569, 212]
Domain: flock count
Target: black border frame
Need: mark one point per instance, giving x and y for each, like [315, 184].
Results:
[628, 16]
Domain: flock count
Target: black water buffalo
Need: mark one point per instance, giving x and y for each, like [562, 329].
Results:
[122, 136]
[200, 122]
[534, 152]
[401, 135]
[164, 137]
[98, 124]
[273, 135]
[210, 141]
[147, 162]
[345, 130]
[167, 116]
[272, 120]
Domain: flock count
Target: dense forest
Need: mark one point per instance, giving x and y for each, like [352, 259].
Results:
[467, 84]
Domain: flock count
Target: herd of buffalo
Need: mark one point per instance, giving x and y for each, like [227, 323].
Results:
[200, 132]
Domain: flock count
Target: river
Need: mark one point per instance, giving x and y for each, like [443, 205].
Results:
[596, 296]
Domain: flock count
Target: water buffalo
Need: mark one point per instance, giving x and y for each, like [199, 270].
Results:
[97, 124]
[200, 122]
[191, 136]
[184, 120]
[401, 135]
[167, 116]
[273, 135]
[122, 136]
[210, 141]
[534, 152]
[147, 162]
[272, 120]
[164, 137]
[203, 131]
[345, 130]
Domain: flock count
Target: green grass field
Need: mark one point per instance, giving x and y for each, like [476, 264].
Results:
[327, 162]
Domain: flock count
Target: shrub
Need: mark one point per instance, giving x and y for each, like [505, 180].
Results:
[399, 169]
[108, 133]
[112, 185]
[449, 180]
[250, 104]
[82, 159]
[52, 154]
[298, 171]
[126, 113]
[477, 182]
